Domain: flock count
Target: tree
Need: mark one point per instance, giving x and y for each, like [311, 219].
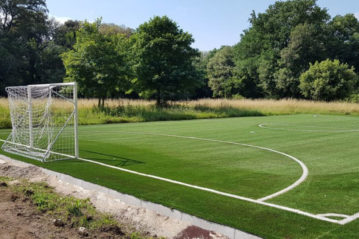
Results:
[97, 63]
[65, 34]
[203, 90]
[22, 15]
[113, 29]
[258, 54]
[164, 61]
[328, 80]
[306, 45]
[343, 39]
[246, 56]
[23, 32]
[220, 70]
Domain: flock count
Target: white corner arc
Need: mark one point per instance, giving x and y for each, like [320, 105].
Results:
[302, 178]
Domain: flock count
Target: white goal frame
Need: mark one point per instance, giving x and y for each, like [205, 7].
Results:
[24, 102]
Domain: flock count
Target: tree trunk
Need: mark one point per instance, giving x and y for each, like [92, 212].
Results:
[101, 102]
[158, 98]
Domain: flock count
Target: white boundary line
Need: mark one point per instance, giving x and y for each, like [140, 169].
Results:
[333, 215]
[284, 208]
[305, 170]
[217, 192]
[290, 187]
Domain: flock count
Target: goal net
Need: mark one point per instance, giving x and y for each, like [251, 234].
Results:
[44, 121]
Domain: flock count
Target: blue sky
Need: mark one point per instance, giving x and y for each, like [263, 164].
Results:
[212, 23]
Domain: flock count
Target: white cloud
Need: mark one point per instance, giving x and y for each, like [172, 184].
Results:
[61, 20]
[356, 15]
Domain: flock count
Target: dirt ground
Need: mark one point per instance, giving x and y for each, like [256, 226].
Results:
[20, 219]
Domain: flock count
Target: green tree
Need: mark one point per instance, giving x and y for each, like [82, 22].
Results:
[113, 29]
[306, 45]
[23, 32]
[98, 63]
[258, 54]
[21, 16]
[164, 64]
[203, 90]
[65, 34]
[220, 70]
[343, 39]
[328, 80]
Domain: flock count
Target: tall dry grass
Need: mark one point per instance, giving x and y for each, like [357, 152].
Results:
[5, 121]
[284, 106]
[125, 110]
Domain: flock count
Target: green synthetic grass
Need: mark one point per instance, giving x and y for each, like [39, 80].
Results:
[326, 144]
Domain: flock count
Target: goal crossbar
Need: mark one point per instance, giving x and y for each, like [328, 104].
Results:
[44, 121]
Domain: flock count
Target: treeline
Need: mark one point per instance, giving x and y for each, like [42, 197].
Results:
[292, 50]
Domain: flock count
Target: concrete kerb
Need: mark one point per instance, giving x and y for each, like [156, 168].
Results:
[133, 201]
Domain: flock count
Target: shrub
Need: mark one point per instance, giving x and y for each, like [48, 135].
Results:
[328, 80]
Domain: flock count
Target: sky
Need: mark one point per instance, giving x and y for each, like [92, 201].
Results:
[212, 23]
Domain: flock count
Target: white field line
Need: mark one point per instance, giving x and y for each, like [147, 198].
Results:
[284, 208]
[290, 187]
[297, 211]
[304, 175]
[333, 215]
[264, 126]
[349, 219]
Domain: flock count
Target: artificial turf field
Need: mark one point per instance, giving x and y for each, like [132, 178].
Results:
[327, 145]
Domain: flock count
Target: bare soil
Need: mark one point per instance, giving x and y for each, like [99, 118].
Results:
[20, 219]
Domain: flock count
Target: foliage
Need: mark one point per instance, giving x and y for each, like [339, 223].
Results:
[203, 90]
[305, 46]
[98, 63]
[65, 35]
[23, 36]
[267, 53]
[156, 61]
[220, 70]
[328, 80]
[164, 64]
[113, 29]
[343, 40]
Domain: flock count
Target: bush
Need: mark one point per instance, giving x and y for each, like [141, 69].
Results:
[353, 98]
[328, 80]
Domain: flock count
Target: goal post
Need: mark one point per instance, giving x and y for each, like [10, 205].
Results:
[44, 121]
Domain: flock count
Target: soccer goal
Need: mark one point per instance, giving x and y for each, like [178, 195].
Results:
[44, 121]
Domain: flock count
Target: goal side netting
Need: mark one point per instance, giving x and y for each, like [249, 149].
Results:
[44, 121]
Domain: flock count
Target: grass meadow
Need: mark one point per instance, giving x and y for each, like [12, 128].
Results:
[326, 144]
[127, 111]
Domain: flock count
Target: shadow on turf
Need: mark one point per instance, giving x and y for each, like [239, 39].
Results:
[115, 159]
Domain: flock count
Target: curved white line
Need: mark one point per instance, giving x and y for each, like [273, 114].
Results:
[290, 187]
[293, 210]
